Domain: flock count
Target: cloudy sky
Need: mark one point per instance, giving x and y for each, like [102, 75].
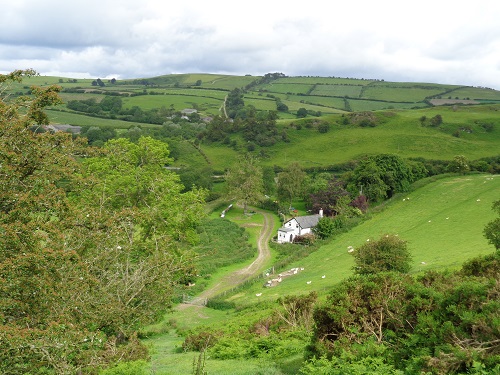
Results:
[438, 41]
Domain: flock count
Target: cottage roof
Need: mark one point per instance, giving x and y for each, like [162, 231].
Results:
[308, 221]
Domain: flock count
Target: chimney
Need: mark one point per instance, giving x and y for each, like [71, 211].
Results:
[320, 212]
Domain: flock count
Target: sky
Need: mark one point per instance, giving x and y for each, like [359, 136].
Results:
[438, 41]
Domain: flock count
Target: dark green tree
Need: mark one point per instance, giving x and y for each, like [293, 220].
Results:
[234, 102]
[459, 164]
[325, 227]
[381, 176]
[492, 229]
[301, 112]
[436, 120]
[389, 253]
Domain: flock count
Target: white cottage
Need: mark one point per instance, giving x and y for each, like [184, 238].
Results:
[298, 226]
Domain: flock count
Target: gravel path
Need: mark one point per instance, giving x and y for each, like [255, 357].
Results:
[238, 277]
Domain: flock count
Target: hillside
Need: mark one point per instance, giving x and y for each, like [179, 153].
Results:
[124, 226]
[395, 126]
[442, 222]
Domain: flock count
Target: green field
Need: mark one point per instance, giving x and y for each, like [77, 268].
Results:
[59, 117]
[441, 220]
[338, 90]
[401, 134]
[399, 94]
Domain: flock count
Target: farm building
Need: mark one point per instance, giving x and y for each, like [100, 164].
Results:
[298, 226]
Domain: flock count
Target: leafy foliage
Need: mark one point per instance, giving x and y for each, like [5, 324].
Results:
[492, 229]
[389, 253]
[245, 181]
[329, 199]
[325, 228]
[381, 176]
[438, 323]
[87, 252]
[290, 184]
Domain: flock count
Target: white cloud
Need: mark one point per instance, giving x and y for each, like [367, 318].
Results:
[433, 41]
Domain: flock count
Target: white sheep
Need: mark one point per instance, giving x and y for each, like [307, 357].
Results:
[309, 282]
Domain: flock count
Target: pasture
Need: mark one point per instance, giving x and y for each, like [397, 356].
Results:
[399, 94]
[399, 132]
[442, 222]
[71, 118]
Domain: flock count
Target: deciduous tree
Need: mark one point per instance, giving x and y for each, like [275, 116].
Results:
[244, 181]
[290, 183]
[86, 255]
[492, 229]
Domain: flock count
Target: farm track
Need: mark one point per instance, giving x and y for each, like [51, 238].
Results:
[238, 277]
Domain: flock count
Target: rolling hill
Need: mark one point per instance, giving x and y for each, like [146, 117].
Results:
[469, 130]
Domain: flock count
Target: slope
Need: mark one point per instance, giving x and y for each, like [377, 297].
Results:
[442, 223]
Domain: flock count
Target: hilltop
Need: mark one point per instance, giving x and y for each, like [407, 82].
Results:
[320, 121]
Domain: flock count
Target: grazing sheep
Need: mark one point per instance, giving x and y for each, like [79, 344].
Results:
[309, 282]
[323, 276]
[258, 294]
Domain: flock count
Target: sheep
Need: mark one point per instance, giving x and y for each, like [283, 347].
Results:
[309, 282]
[323, 276]
[258, 294]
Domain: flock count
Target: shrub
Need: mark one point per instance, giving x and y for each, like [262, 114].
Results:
[128, 368]
[390, 253]
[325, 227]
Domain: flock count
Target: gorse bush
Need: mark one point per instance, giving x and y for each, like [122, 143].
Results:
[389, 253]
[438, 323]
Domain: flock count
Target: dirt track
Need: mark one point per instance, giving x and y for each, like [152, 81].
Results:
[238, 277]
